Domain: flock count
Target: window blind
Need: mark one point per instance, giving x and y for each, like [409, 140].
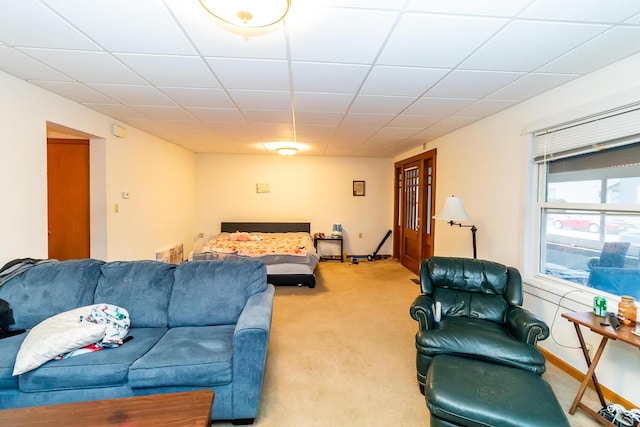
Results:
[612, 129]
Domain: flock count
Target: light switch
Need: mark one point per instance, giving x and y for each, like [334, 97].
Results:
[262, 188]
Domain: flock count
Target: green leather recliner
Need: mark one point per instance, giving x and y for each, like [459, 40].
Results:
[480, 318]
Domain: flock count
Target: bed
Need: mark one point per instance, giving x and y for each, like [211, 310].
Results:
[286, 248]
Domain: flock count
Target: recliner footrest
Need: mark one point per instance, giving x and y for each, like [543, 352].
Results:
[469, 392]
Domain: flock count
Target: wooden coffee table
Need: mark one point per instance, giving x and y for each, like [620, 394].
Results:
[191, 408]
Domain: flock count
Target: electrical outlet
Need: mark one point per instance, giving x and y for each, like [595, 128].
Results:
[359, 235]
[201, 234]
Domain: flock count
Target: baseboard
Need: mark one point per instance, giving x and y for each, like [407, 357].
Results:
[609, 395]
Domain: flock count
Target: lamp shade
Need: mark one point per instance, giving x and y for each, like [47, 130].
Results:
[452, 210]
[248, 13]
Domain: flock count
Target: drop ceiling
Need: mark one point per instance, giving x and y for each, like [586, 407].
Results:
[364, 78]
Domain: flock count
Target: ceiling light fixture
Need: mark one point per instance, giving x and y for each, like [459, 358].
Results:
[287, 151]
[248, 13]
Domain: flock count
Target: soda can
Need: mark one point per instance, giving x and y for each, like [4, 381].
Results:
[599, 306]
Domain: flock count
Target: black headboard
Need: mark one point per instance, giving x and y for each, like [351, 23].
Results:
[265, 227]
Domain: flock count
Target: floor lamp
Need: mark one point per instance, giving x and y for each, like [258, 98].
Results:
[454, 212]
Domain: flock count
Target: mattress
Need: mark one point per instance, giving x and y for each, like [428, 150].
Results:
[282, 253]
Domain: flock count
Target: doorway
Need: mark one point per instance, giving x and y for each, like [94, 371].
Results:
[414, 196]
[68, 198]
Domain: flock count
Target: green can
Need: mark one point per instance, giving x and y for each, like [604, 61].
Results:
[599, 306]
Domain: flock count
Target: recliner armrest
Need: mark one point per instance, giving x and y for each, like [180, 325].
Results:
[422, 310]
[526, 326]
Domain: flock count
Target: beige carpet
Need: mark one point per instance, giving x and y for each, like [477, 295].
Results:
[342, 354]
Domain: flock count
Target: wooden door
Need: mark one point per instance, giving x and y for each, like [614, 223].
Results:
[411, 216]
[68, 198]
[414, 204]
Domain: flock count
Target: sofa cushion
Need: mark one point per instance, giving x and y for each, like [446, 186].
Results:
[479, 339]
[106, 368]
[50, 288]
[214, 292]
[187, 356]
[141, 287]
[8, 351]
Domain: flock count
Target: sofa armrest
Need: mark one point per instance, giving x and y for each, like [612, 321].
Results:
[250, 342]
[422, 311]
[526, 326]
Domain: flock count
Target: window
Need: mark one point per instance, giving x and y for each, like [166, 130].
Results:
[588, 203]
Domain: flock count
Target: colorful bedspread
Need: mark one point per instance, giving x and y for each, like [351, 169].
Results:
[261, 244]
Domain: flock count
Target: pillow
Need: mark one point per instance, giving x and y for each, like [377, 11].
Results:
[57, 334]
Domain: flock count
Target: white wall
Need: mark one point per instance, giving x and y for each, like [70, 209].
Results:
[304, 189]
[487, 164]
[159, 175]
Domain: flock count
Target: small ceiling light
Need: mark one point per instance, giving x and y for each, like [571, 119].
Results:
[287, 151]
[248, 13]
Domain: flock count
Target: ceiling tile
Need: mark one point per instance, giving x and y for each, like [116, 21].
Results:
[406, 81]
[141, 26]
[117, 111]
[162, 113]
[328, 78]
[409, 121]
[485, 107]
[430, 106]
[261, 100]
[198, 97]
[76, 91]
[24, 67]
[472, 84]
[531, 85]
[542, 42]
[18, 19]
[320, 119]
[89, 67]
[134, 95]
[583, 11]
[367, 120]
[470, 7]
[267, 116]
[418, 39]
[217, 115]
[185, 71]
[397, 132]
[258, 74]
[322, 102]
[380, 104]
[348, 35]
[611, 46]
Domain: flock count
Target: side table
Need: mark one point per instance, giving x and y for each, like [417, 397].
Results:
[330, 239]
[599, 325]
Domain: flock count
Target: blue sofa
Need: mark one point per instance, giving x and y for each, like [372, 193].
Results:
[197, 325]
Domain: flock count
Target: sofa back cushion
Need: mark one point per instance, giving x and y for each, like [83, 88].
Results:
[214, 292]
[50, 288]
[142, 288]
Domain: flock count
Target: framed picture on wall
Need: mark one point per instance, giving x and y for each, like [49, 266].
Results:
[358, 188]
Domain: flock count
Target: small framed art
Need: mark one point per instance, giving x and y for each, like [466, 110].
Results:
[358, 188]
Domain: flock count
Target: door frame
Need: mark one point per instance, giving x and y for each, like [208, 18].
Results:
[427, 191]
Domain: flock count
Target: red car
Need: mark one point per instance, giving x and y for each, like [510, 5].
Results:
[591, 224]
